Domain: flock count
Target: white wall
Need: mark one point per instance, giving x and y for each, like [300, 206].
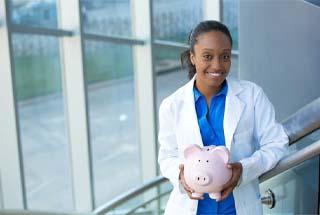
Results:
[280, 50]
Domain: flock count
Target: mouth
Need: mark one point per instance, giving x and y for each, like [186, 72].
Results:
[215, 74]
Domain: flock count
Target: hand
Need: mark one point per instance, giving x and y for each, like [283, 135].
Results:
[188, 189]
[228, 187]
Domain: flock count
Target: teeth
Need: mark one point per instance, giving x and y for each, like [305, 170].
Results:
[215, 74]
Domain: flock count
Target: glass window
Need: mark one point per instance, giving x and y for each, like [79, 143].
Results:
[41, 13]
[42, 123]
[173, 20]
[113, 126]
[107, 17]
[230, 14]
[169, 74]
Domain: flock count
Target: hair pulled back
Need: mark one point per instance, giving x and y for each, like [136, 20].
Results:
[201, 28]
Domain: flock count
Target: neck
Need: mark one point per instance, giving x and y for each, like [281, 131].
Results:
[208, 92]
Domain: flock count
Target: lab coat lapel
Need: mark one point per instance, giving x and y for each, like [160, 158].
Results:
[188, 113]
[233, 110]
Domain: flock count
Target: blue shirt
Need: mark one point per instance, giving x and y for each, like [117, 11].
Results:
[211, 129]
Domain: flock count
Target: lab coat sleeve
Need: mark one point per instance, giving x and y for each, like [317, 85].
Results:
[168, 157]
[271, 140]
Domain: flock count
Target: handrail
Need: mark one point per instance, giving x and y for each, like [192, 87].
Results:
[129, 194]
[297, 126]
[293, 160]
[147, 202]
[303, 122]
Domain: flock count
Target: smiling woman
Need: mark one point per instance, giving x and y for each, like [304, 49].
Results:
[211, 58]
[212, 109]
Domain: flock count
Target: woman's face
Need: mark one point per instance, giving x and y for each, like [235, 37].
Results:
[212, 59]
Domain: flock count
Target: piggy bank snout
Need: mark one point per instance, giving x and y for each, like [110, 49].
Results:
[202, 179]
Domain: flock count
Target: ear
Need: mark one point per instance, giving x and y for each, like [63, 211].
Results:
[222, 152]
[191, 149]
[192, 58]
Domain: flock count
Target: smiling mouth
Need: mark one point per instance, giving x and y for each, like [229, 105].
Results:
[215, 74]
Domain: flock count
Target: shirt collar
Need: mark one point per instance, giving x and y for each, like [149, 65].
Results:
[223, 91]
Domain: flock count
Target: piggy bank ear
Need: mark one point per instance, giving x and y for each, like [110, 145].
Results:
[190, 150]
[222, 152]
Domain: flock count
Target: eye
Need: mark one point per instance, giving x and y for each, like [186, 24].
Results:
[207, 161]
[225, 57]
[207, 57]
[199, 160]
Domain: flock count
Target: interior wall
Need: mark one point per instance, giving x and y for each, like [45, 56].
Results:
[280, 50]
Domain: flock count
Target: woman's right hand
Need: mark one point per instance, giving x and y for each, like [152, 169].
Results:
[188, 189]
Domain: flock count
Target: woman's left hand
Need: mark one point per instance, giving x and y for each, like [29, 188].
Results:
[228, 187]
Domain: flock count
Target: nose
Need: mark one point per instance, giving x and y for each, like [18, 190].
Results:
[202, 179]
[216, 64]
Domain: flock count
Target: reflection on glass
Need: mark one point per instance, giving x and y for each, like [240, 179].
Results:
[230, 18]
[41, 13]
[297, 189]
[106, 17]
[42, 123]
[113, 130]
[173, 20]
[169, 74]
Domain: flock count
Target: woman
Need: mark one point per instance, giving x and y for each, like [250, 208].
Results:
[212, 109]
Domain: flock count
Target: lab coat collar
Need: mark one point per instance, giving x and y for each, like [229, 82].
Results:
[233, 110]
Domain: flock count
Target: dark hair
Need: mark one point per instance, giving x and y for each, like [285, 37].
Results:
[201, 28]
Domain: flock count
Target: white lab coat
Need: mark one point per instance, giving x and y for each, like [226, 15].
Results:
[252, 135]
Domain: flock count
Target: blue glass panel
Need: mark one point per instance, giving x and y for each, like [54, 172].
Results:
[107, 17]
[42, 13]
[42, 122]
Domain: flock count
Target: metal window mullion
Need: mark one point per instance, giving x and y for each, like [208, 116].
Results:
[211, 10]
[144, 87]
[11, 167]
[38, 30]
[112, 39]
[76, 105]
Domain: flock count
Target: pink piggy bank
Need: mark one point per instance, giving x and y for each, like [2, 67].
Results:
[205, 169]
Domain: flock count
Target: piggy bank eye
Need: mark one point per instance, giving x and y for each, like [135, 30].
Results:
[199, 160]
[207, 161]
[208, 149]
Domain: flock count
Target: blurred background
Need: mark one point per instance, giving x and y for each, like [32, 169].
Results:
[81, 83]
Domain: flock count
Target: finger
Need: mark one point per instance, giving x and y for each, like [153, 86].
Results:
[184, 184]
[186, 187]
[230, 183]
[195, 198]
[224, 194]
[181, 167]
